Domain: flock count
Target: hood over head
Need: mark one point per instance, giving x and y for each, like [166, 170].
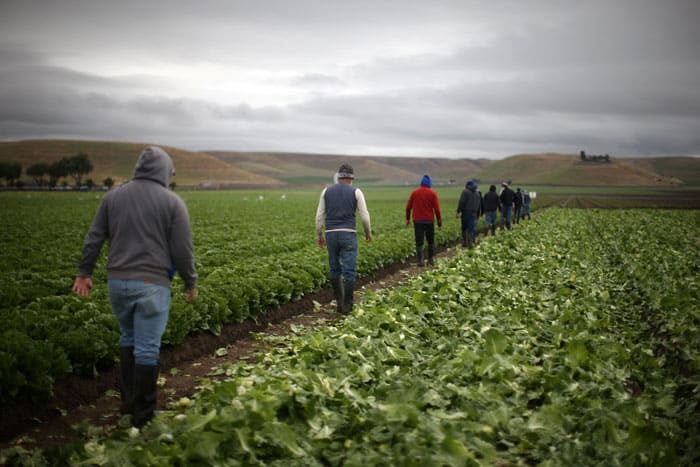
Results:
[471, 185]
[426, 181]
[154, 164]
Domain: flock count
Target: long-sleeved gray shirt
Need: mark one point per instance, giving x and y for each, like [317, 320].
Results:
[147, 226]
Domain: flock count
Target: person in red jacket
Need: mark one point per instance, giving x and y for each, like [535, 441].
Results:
[425, 206]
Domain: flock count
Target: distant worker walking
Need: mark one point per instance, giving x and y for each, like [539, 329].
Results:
[425, 206]
[470, 207]
[526, 204]
[507, 201]
[492, 204]
[518, 201]
[336, 211]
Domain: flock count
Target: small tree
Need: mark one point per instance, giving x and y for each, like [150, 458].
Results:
[58, 170]
[583, 155]
[4, 168]
[89, 183]
[10, 171]
[79, 166]
[172, 186]
[38, 171]
[108, 182]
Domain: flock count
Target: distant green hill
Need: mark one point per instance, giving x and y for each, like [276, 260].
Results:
[236, 169]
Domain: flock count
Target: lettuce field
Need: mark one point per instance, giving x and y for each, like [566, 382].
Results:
[254, 250]
[572, 340]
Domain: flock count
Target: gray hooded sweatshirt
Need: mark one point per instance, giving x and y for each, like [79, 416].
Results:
[147, 226]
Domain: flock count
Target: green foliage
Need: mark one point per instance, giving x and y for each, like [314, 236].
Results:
[537, 348]
[37, 172]
[78, 166]
[255, 250]
[10, 171]
[29, 366]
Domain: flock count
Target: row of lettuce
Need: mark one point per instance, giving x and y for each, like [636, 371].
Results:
[254, 251]
[571, 341]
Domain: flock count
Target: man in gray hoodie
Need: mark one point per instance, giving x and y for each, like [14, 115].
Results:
[150, 238]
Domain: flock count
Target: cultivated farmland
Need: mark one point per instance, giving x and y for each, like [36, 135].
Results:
[255, 250]
[572, 340]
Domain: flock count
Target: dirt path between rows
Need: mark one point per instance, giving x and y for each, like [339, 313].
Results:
[82, 407]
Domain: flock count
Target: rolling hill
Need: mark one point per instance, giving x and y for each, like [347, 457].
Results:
[562, 169]
[222, 169]
[319, 168]
[117, 160]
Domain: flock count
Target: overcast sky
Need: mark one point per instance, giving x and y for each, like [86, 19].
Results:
[407, 78]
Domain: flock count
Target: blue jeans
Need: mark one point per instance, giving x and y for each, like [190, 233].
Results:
[490, 218]
[342, 254]
[507, 214]
[142, 312]
[469, 222]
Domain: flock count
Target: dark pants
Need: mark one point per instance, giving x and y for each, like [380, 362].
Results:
[424, 231]
[469, 222]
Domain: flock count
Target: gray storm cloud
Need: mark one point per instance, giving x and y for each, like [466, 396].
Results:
[446, 78]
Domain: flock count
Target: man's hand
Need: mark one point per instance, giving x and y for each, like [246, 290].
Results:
[320, 242]
[82, 285]
[408, 223]
[368, 237]
[191, 294]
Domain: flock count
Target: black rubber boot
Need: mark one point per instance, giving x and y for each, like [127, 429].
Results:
[419, 255]
[126, 379]
[146, 391]
[337, 284]
[431, 253]
[464, 238]
[348, 296]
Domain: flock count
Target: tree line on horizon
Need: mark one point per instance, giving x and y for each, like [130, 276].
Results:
[46, 174]
[594, 158]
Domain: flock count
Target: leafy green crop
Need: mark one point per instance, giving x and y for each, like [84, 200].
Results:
[254, 250]
[573, 340]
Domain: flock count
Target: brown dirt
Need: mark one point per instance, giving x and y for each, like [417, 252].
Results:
[80, 405]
